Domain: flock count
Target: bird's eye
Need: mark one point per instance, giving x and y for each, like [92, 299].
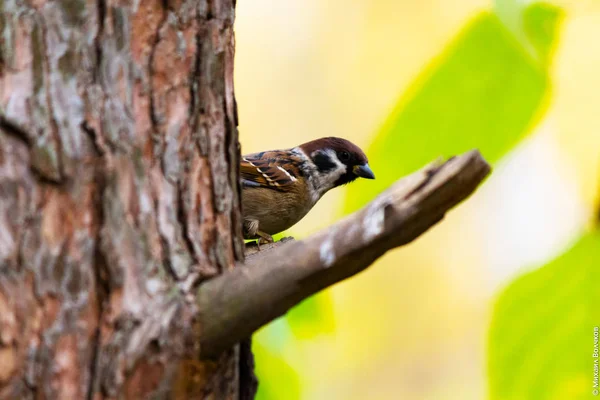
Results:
[344, 155]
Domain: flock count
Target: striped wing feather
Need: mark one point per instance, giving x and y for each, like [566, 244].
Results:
[270, 169]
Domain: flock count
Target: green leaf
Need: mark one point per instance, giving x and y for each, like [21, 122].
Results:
[540, 24]
[313, 317]
[532, 23]
[542, 333]
[483, 92]
[276, 379]
[510, 13]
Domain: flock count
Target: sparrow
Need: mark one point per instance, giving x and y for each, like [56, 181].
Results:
[279, 187]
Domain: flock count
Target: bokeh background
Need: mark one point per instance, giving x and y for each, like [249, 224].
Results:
[498, 301]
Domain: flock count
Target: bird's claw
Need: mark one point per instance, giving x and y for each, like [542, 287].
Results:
[263, 239]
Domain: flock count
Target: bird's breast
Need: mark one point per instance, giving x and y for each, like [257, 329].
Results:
[275, 211]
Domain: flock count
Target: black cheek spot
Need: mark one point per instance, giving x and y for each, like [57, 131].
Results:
[345, 179]
[323, 162]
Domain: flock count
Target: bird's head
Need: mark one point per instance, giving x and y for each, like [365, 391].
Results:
[337, 161]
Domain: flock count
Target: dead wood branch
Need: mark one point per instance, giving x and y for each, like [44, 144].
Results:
[237, 303]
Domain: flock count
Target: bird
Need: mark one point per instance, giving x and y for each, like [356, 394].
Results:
[279, 187]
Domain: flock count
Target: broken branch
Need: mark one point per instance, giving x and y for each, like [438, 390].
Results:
[238, 302]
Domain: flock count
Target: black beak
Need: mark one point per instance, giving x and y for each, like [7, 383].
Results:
[364, 171]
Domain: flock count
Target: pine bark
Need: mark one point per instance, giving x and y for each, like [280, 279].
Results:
[118, 196]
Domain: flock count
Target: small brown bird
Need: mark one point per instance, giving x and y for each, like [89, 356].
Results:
[279, 187]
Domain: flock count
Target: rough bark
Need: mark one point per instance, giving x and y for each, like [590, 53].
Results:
[118, 194]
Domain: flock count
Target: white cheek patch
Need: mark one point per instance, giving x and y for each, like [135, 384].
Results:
[320, 182]
[326, 180]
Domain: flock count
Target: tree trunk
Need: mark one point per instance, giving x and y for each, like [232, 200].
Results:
[118, 196]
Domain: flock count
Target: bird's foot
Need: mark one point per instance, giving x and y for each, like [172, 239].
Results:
[263, 239]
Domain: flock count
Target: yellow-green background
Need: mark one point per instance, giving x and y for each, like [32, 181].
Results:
[498, 301]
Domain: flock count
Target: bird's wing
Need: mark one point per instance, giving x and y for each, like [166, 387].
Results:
[269, 169]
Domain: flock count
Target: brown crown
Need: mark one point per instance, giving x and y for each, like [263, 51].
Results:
[337, 144]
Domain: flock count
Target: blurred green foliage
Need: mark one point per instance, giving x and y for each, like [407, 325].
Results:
[541, 339]
[312, 317]
[534, 25]
[484, 91]
[283, 380]
[540, 24]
